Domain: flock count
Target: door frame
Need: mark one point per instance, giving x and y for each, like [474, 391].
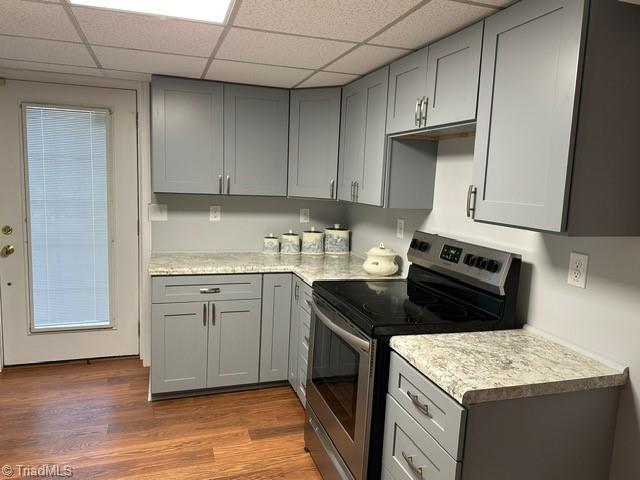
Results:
[142, 88]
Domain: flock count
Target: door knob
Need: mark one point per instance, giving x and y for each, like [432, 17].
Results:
[7, 250]
[7, 230]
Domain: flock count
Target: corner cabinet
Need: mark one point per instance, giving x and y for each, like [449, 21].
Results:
[556, 143]
[363, 139]
[186, 135]
[256, 134]
[314, 130]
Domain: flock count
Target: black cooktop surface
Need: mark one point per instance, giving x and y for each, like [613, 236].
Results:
[397, 307]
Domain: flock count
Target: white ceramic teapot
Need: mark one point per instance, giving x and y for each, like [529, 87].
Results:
[381, 261]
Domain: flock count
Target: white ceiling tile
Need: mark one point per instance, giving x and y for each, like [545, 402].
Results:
[50, 67]
[49, 51]
[147, 32]
[32, 19]
[341, 19]
[431, 22]
[365, 58]
[493, 3]
[328, 79]
[277, 49]
[123, 75]
[150, 62]
[255, 74]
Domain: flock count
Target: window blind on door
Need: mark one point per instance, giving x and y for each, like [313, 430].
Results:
[68, 207]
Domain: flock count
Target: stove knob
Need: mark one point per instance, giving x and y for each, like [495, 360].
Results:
[481, 263]
[423, 246]
[493, 266]
[469, 260]
[414, 243]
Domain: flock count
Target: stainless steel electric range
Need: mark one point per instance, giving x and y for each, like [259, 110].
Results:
[452, 286]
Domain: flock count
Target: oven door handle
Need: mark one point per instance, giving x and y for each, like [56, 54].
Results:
[350, 338]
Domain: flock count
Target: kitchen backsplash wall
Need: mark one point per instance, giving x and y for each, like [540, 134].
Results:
[604, 318]
[245, 220]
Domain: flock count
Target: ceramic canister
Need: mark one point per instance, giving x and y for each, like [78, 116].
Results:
[312, 242]
[271, 244]
[290, 243]
[337, 240]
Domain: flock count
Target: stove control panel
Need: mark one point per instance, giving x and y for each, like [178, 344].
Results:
[483, 266]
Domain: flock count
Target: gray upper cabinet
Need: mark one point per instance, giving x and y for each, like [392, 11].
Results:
[407, 91]
[530, 62]
[313, 142]
[186, 134]
[453, 73]
[178, 346]
[363, 140]
[276, 317]
[234, 343]
[256, 133]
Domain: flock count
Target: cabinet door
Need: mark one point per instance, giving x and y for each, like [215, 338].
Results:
[452, 77]
[407, 85]
[178, 347]
[352, 137]
[234, 343]
[186, 135]
[523, 143]
[276, 319]
[256, 135]
[313, 142]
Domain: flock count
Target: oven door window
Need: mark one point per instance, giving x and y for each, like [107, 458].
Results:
[334, 373]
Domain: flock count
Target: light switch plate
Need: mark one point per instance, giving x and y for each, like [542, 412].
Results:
[158, 212]
[578, 264]
[304, 215]
[215, 212]
[400, 228]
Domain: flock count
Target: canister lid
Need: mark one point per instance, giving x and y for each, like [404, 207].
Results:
[271, 235]
[313, 230]
[290, 233]
[336, 227]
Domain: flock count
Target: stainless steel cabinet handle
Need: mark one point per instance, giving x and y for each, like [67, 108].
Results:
[210, 290]
[471, 209]
[357, 185]
[352, 186]
[423, 407]
[417, 112]
[423, 111]
[332, 185]
[204, 315]
[213, 314]
[409, 459]
[228, 184]
[220, 184]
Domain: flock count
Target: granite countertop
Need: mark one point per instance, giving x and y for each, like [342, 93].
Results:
[309, 268]
[481, 367]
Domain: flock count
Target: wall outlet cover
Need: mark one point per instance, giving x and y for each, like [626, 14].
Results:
[304, 215]
[400, 228]
[158, 212]
[578, 264]
[215, 213]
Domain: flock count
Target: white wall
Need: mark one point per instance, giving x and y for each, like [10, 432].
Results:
[604, 318]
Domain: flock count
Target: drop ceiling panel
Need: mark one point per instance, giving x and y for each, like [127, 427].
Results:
[49, 67]
[32, 19]
[365, 58]
[252, 73]
[48, 51]
[339, 19]
[147, 32]
[328, 79]
[150, 62]
[431, 22]
[277, 49]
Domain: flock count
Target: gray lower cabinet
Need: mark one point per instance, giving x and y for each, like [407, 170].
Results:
[234, 343]
[178, 347]
[313, 142]
[256, 137]
[407, 92]
[453, 73]
[186, 135]
[276, 319]
[363, 139]
[299, 337]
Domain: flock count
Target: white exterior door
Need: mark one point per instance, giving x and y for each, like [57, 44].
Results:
[68, 200]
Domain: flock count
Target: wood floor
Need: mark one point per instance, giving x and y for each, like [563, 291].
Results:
[96, 418]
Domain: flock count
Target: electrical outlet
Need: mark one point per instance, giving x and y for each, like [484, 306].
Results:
[578, 263]
[304, 215]
[158, 212]
[215, 212]
[400, 228]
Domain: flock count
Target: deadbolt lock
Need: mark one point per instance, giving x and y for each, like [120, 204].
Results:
[7, 250]
[7, 230]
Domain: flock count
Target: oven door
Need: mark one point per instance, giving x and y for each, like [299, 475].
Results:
[339, 380]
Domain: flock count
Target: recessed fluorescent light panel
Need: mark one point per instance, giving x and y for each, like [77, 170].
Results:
[204, 10]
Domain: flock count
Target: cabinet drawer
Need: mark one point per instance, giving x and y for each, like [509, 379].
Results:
[410, 453]
[305, 295]
[195, 288]
[434, 410]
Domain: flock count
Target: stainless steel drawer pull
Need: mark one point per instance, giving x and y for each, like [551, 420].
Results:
[409, 459]
[209, 290]
[423, 407]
